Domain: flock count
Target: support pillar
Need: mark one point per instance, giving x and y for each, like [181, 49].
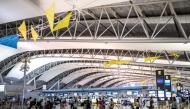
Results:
[1, 78]
[58, 85]
[24, 84]
[35, 82]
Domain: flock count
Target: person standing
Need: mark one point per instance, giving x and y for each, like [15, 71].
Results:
[111, 104]
[42, 104]
[88, 103]
[7, 105]
[51, 104]
[103, 103]
[71, 103]
[151, 103]
[28, 103]
[174, 103]
[137, 104]
[97, 103]
[100, 103]
[140, 103]
[75, 103]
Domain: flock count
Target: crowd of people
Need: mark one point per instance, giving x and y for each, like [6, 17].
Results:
[75, 102]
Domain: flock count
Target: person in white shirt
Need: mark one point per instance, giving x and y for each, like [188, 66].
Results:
[28, 103]
[42, 104]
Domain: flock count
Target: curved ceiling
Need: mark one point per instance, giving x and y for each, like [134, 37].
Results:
[22, 9]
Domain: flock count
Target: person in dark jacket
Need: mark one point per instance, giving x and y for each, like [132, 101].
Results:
[151, 103]
[88, 103]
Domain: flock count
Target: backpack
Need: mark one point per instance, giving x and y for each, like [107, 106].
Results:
[147, 103]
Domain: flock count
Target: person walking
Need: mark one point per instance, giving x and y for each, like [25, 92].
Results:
[174, 103]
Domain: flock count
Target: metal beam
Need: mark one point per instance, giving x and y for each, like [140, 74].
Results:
[140, 3]
[91, 14]
[111, 40]
[114, 13]
[177, 20]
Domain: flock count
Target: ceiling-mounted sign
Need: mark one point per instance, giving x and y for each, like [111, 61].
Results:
[178, 85]
[160, 84]
[168, 87]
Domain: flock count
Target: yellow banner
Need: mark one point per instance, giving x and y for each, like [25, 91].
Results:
[22, 29]
[174, 78]
[50, 16]
[119, 62]
[34, 33]
[174, 55]
[146, 59]
[64, 22]
[144, 81]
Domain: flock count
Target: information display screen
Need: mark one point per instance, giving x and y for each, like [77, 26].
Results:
[168, 94]
[90, 93]
[115, 93]
[75, 94]
[41, 95]
[108, 93]
[160, 80]
[48, 94]
[152, 92]
[61, 94]
[167, 82]
[2, 88]
[52, 94]
[80, 94]
[65, 95]
[129, 92]
[96, 93]
[135, 92]
[160, 93]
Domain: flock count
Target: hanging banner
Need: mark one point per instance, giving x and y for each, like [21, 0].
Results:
[168, 89]
[160, 84]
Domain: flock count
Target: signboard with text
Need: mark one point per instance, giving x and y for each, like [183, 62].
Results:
[160, 84]
[178, 85]
[168, 87]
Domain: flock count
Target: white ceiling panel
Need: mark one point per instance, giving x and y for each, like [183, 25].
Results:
[12, 10]
[31, 46]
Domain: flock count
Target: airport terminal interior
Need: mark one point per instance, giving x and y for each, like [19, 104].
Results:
[94, 54]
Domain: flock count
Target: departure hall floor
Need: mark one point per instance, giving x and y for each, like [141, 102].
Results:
[68, 107]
